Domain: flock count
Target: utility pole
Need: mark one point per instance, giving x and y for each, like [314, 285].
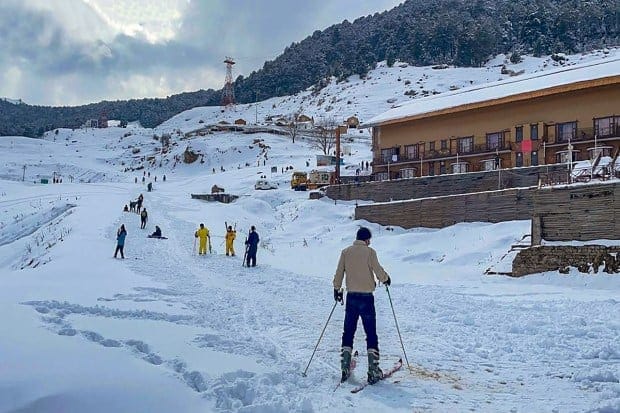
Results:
[24, 174]
[337, 154]
[256, 107]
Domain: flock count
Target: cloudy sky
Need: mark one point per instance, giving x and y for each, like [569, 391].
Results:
[70, 52]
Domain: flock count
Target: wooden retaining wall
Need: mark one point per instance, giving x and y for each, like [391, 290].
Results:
[587, 212]
[439, 212]
[442, 185]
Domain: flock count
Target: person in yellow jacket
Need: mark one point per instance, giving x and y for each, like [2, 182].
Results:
[202, 234]
[231, 234]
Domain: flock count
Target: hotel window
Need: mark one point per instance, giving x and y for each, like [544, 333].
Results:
[431, 168]
[534, 158]
[465, 145]
[444, 144]
[442, 168]
[519, 160]
[412, 152]
[495, 140]
[604, 127]
[381, 176]
[565, 131]
[407, 172]
[431, 146]
[387, 154]
[519, 133]
[534, 131]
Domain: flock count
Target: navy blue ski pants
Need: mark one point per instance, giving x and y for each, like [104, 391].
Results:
[360, 305]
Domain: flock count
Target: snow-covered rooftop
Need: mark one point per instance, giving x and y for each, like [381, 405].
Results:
[502, 89]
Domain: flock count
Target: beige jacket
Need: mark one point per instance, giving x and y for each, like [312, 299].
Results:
[360, 263]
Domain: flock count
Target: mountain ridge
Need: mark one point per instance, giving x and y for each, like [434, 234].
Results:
[454, 32]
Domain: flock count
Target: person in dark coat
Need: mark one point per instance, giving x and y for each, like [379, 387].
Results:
[252, 245]
[143, 218]
[120, 241]
[157, 233]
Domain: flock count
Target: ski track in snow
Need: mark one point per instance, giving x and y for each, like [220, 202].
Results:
[456, 341]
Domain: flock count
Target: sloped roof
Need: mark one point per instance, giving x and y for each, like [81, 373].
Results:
[509, 90]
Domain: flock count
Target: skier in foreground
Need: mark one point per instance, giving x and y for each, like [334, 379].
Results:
[361, 265]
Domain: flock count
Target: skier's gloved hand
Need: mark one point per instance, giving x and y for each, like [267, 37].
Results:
[388, 282]
[338, 295]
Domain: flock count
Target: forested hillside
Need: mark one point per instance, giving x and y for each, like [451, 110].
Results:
[420, 32]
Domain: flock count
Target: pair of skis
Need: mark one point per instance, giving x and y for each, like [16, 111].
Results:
[386, 374]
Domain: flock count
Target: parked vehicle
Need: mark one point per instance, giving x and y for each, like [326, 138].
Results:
[265, 184]
[319, 179]
[299, 181]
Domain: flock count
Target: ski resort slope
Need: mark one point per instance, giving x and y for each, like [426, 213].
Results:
[167, 330]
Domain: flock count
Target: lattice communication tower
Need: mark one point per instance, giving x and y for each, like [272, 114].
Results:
[228, 96]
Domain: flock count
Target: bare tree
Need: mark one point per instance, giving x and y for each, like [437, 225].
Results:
[292, 128]
[324, 137]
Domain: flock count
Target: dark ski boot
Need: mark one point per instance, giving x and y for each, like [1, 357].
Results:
[374, 372]
[345, 363]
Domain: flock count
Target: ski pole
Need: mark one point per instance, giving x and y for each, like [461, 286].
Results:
[320, 337]
[397, 329]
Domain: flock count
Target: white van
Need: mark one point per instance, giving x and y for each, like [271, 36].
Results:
[265, 184]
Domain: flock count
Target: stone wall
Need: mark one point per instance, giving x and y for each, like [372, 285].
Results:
[587, 259]
[439, 212]
[442, 185]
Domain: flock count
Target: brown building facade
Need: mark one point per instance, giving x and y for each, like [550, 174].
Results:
[534, 121]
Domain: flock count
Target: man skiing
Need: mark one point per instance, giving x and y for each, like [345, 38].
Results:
[361, 266]
[252, 246]
[121, 234]
[144, 216]
[231, 234]
[202, 234]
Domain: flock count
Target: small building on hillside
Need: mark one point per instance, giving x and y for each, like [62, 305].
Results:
[240, 122]
[304, 118]
[91, 123]
[571, 113]
[352, 122]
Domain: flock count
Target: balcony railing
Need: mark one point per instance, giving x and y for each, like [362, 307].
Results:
[443, 153]
[580, 134]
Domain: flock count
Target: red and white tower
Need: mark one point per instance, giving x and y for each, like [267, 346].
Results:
[228, 95]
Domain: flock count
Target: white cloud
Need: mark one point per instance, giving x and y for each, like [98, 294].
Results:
[62, 52]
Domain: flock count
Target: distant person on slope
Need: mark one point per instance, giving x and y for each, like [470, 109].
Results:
[120, 241]
[252, 245]
[361, 266]
[231, 234]
[157, 233]
[202, 234]
[143, 218]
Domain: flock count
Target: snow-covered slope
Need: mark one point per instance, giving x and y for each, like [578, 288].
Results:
[166, 329]
[384, 88]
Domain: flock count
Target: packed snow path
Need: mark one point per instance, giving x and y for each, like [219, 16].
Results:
[468, 351]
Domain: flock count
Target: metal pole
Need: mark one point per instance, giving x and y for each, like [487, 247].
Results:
[397, 329]
[320, 337]
[337, 154]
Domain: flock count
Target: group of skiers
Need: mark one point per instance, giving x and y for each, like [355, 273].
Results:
[358, 267]
[251, 243]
